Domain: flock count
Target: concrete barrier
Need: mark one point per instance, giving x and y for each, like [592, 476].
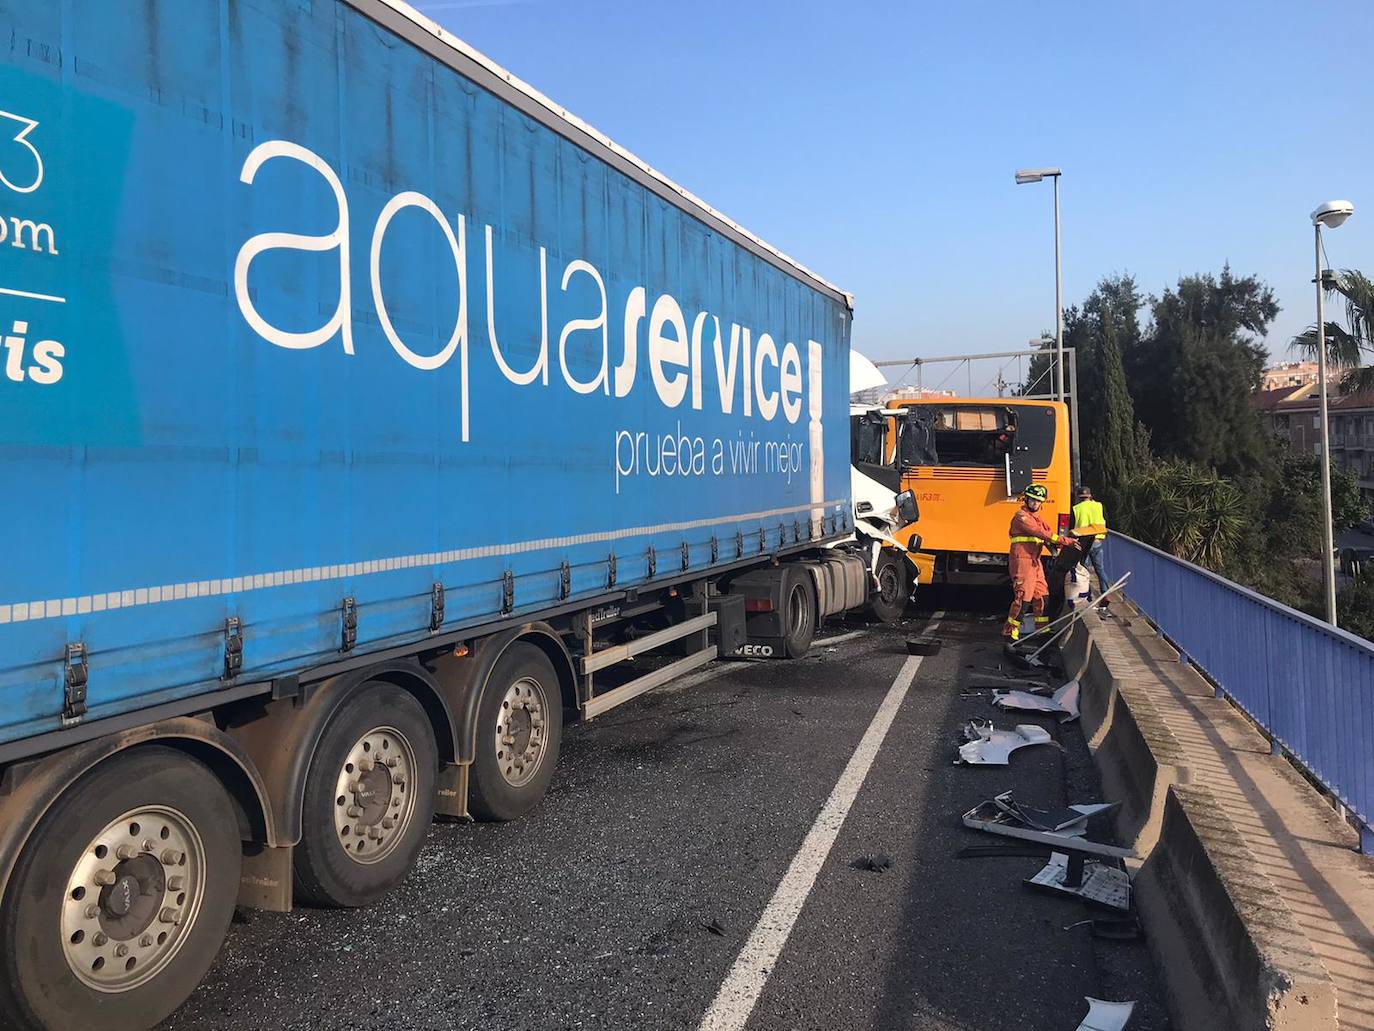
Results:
[1231, 954]
[1136, 754]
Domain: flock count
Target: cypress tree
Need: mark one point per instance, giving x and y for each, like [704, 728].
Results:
[1120, 444]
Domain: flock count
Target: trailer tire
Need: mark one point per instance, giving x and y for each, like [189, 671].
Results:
[150, 940]
[798, 614]
[514, 764]
[889, 600]
[369, 798]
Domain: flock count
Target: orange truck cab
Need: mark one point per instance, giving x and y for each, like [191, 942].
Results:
[967, 462]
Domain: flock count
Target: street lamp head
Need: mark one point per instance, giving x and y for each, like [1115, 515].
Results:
[1333, 213]
[1034, 175]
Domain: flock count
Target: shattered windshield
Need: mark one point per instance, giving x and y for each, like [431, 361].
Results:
[976, 435]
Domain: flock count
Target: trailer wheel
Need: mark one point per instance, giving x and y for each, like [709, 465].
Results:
[519, 731]
[889, 600]
[122, 897]
[369, 798]
[799, 616]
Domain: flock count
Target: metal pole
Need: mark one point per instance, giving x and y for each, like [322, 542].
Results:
[1073, 419]
[1058, 298]
[1025, 352]
[1328, 557]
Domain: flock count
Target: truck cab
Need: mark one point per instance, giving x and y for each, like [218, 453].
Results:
[885, 514]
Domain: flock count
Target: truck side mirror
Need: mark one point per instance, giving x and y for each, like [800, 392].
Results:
[907, 509]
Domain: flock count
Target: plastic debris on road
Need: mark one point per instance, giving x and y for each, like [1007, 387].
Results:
[1106, 1016]
[1005, 683]
[985, 745]
[1086, 879]
[922, 645]
[1064, 702]
[1064, 828]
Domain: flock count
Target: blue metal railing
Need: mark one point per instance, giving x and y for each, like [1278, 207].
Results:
[1309, 685]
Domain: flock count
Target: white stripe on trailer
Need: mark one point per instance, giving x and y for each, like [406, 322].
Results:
[32, 296]
[744, 984]
[27, 611]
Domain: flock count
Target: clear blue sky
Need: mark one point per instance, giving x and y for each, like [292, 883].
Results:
[875, 142]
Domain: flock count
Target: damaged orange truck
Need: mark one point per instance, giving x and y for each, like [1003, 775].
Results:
[967, 462]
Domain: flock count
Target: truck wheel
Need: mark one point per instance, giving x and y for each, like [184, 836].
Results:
[888, 603]
[122, 897]
[799, 616]
[519, 730]
[369, 798]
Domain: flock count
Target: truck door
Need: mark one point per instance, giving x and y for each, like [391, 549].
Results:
[1018, 459]
[868, 448]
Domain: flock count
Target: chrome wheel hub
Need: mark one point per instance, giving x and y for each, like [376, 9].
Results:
[374, 796]
[521, 732]
[132, 898]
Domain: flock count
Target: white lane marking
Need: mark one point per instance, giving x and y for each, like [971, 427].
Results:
[31, 296]
[744, 984]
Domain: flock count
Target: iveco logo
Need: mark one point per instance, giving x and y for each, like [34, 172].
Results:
[762, 651]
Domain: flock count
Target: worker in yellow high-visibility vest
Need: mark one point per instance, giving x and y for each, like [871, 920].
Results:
[1090, 527]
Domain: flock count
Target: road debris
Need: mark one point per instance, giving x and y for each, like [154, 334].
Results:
[1123, 929]
[1064, 702]
[1062, 828]
[922, 645]
[1106, 1016]
[715, 928]
[1088, 879]
[985, 745]
[873, 864]
[1004, 683]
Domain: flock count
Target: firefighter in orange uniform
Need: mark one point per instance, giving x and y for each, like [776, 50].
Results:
[1029, 536]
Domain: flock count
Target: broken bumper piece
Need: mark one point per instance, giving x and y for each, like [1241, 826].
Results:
[1088, 879]
[1061, 828]
[1064, 702]
[1106, 1016]
[985, 745]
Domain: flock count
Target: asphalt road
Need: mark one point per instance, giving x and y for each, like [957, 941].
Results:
[625, 900]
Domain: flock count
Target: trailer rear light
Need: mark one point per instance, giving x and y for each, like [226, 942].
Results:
[758, 604]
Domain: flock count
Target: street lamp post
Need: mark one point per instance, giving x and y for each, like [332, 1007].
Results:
[1331, 214]
[1034, 175]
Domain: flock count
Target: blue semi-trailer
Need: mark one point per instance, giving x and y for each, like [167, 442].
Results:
[362, 413]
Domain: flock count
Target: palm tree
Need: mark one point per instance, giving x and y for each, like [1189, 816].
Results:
[1190, 512]
[1347, 347]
